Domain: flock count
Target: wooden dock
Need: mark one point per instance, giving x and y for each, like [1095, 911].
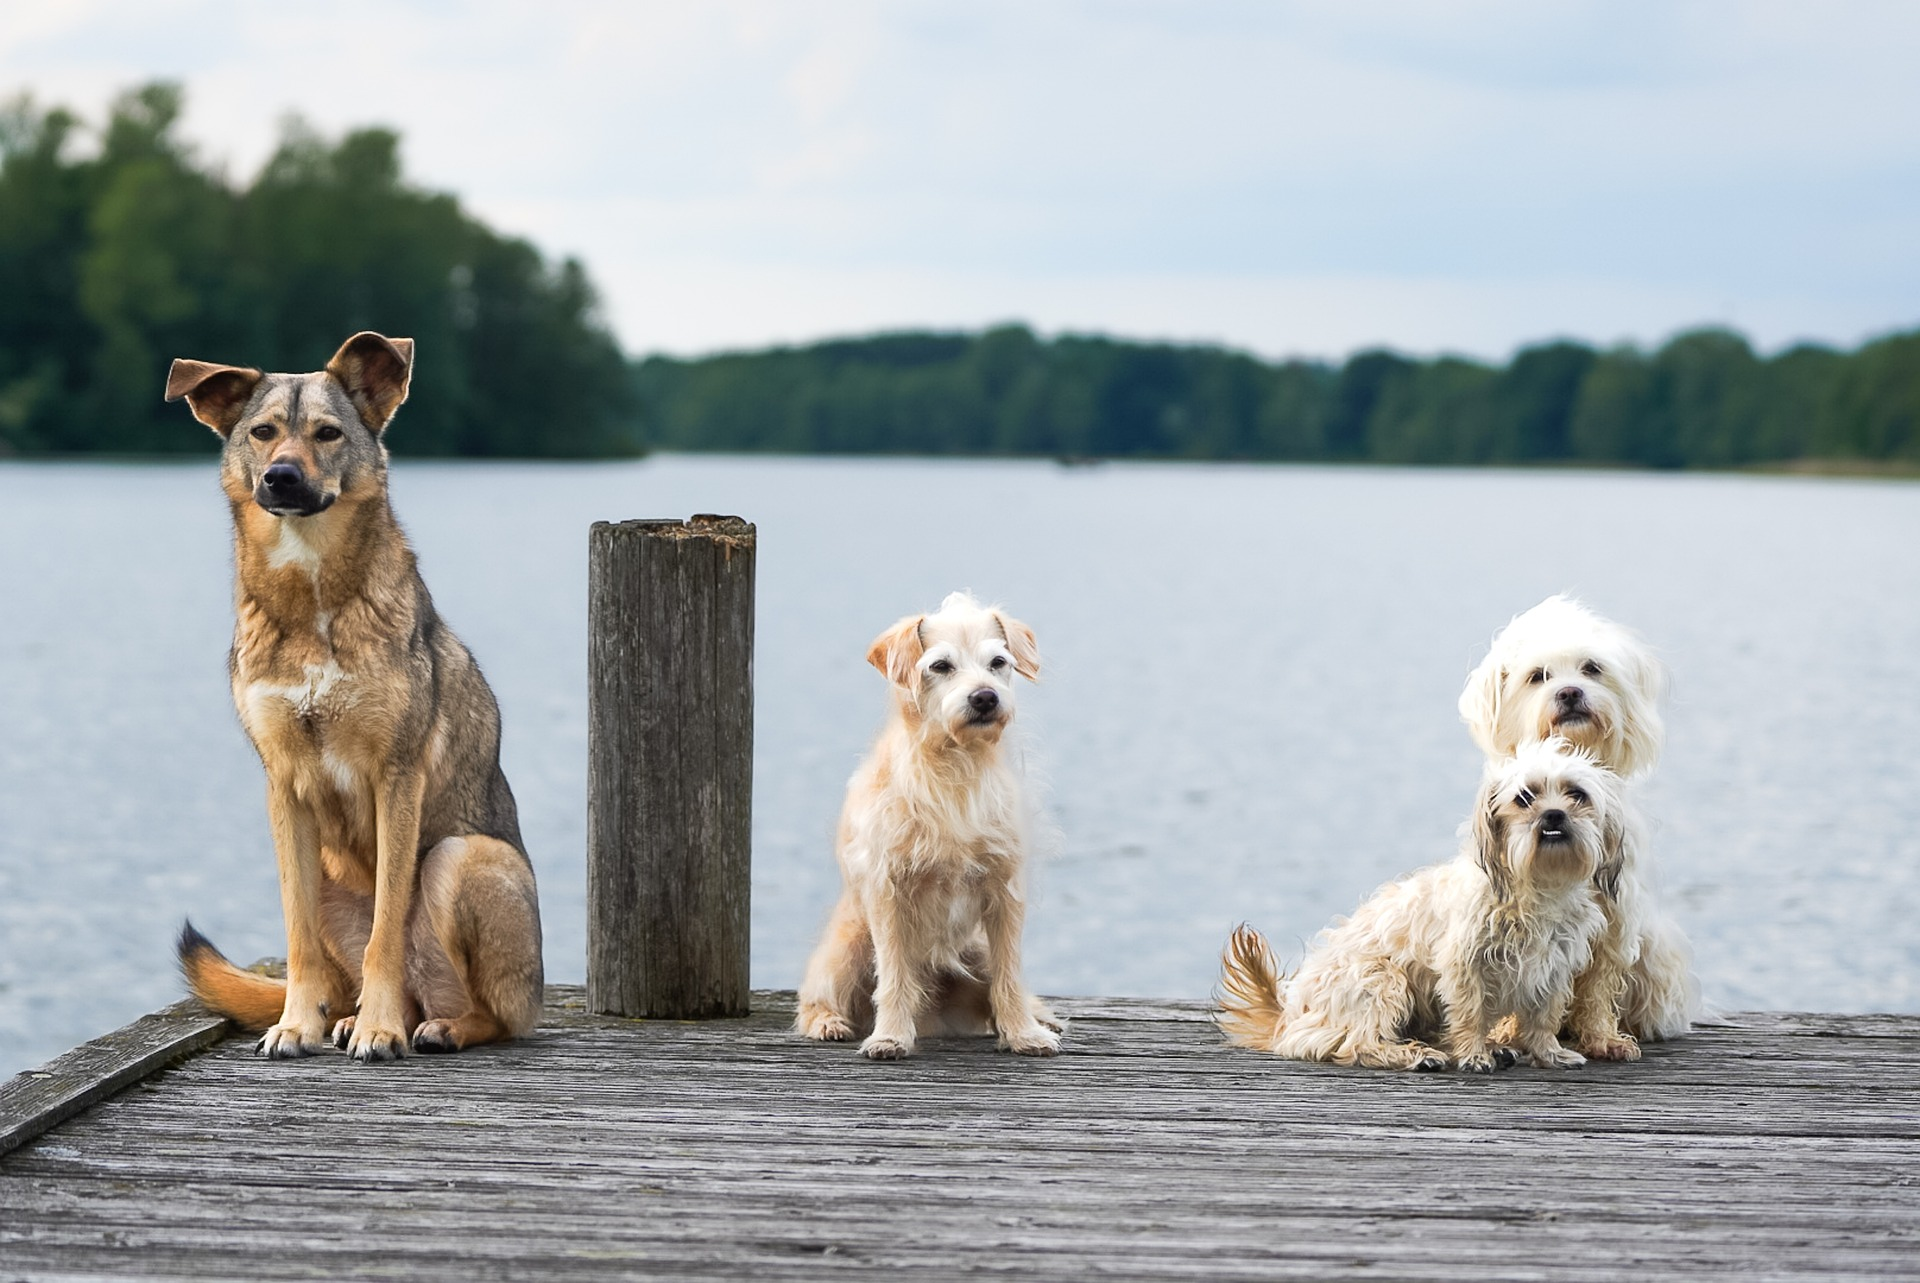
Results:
[1777, 1146]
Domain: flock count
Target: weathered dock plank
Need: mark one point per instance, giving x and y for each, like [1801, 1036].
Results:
[32, 1102]
[1772, 1147]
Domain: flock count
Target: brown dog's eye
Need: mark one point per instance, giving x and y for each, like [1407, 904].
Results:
[326, 432]
[1590, 668]
[1537, 676]
[262, 432]
[940, 666]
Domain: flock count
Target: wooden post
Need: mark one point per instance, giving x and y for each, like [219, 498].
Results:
[669, 766]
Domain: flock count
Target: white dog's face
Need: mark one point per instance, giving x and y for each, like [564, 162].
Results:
[1562, 670]
[953, 670]
[1549, 817]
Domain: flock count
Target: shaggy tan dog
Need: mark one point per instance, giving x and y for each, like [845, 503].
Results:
[1422, 972]
[1561, 670]
[932, 849]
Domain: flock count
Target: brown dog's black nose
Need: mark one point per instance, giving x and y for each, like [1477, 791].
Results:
[984, 700]
[282, 477]
[1570, 696]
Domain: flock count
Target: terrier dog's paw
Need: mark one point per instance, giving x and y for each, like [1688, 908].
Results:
[288, 1042]
[1035, 1041]
[883, 1047]
[436, 1037]
[1618, 1047]
[1484, 1062]
[1557, 1058]
[369, 1043]
[1505, 1057]
[342, 1032]
[828, 1026]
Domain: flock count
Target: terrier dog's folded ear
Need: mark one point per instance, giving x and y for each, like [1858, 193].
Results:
[1480, 705]
[896, 652]
[1490, 840]
[1020, 641]
[215, 393]
[376, 371]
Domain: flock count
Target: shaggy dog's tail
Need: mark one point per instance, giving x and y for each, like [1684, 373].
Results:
[1250, 1005]
[247, 998]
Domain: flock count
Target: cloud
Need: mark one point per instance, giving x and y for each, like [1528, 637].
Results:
[1583, 168]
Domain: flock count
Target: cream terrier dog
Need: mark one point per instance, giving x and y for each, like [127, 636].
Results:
[1561, 670]
[1422, 972]
[932, 845]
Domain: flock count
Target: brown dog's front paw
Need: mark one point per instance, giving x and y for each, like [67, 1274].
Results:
[1036, 1041]
[882, 1047]
[369, 1043]
[437, 1037]
[288, 1042]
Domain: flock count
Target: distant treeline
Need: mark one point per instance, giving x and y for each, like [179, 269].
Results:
[119, 252]
[1705, 399]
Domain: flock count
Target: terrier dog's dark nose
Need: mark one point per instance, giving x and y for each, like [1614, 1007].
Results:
[1555, 819]
[281, 477]
[984, 700]
[1570, 696]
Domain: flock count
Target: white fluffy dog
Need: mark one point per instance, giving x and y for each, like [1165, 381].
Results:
[1422, 972]
[932, 846]
[1561, 670]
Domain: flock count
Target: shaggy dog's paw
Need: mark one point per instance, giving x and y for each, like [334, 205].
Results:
[1035, 1041]
[881, 1047]
[828, 1026]
[1619, 1047]
[342, 1032]
[1421, 1059]
[287, 1042]
[1484, 1062]
[436, 1037]
[1505, 1057]
[369, 1043]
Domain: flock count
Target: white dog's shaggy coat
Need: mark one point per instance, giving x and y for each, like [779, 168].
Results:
[932, 849]
[1561, 670]
[1422, 972]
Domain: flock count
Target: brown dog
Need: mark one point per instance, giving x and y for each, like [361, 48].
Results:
[410, 908]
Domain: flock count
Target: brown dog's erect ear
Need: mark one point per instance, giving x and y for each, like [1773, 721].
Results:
[215, 393]
[1026, 650]
[1490, 841]
[375, 370]
[897, 651]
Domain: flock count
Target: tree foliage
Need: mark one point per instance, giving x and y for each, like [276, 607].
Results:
[114, 262]
[1704, 399]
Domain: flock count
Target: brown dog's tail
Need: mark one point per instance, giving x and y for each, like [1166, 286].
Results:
[250, 1000]
[1251, 1014]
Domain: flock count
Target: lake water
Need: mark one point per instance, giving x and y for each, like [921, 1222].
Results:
[1247, 709]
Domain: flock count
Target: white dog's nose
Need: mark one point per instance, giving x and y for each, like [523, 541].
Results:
[984, 700]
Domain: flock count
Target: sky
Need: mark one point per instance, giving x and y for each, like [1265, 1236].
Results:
[1292, 179]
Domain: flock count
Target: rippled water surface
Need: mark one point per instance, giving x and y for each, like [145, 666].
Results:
[1247, 708]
